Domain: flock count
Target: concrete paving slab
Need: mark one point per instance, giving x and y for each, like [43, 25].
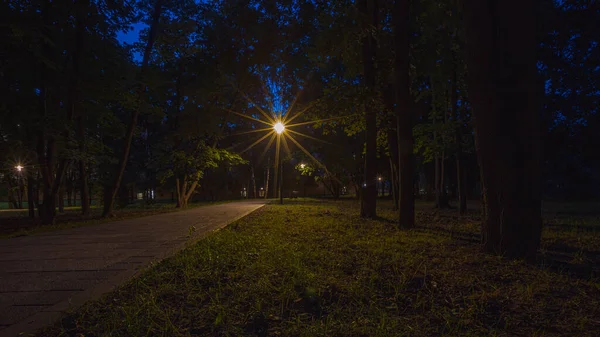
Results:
[42, 276]
[14, 314]
[35, 298]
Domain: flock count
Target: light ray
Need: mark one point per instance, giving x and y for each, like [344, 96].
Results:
[248, 117]
[285, 144]
[306, 81]
[315, 160]
[300, 112]
[268, 95]
[269, 118]
[262, 155]
[307, 153]
[257, 141]
[251, 131]
[289, 110]
[310, 137]
[316, 121]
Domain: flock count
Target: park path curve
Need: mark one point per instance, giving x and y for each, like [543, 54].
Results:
[44, 275]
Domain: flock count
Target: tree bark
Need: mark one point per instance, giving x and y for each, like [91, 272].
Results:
[393, 178]
[178, 189]
[61, 198]
[404, 120]
[461, 182]
[502, 89]
[69, 188]
[109, 200]
[268, 169]
[77, 110]
[30, 197]
[253, 179]
[394, 161]
[369, 195]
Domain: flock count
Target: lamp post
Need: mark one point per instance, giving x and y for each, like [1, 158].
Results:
[302, 166]
[381, 185]
[279, 128]
[19, 169]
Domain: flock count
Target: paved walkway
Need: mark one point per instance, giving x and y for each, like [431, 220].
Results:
[43, 275]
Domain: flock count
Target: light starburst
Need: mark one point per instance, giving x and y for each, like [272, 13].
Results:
[278, 128]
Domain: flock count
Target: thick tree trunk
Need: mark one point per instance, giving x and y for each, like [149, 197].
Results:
[394, 161]
[183, 192]
[393, 179]
[369, 194]
[502, 89]
[61, 199]
[404, 120]
[178, 189]
[109, 202]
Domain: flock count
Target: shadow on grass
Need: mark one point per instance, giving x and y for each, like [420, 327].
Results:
[558, 258]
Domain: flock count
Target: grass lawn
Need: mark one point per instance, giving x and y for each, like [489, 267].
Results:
[15, 223]
[316, 269]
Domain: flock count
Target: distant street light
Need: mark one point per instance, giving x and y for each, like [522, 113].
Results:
[302, 166]
[19, 169]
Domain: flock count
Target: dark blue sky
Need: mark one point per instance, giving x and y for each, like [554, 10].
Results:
[132, 36]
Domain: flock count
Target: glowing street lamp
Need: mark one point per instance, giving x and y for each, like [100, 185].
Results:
[279, 127]
[302, 166]
[19, 169]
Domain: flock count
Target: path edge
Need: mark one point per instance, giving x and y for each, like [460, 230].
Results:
[32, 324]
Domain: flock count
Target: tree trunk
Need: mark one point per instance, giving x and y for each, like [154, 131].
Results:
[394, 161]
[268, 169]
[61, 199]
[109, 202]
[369, 194]
[30, 197]
[502, 89]
[178, 189]
[69, 188]
[183, 193]
[404, 121]
[461, 182]
[253, 179]
[393, 178]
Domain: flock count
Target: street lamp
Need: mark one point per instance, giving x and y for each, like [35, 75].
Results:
[302, 166]
[19, 169]
[381, 185]
[279, 128]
